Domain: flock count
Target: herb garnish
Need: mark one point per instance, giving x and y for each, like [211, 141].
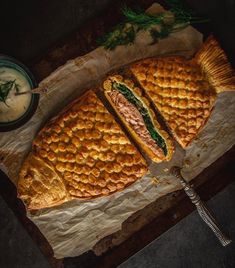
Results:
[170, 21]
[128, 94]
[6, 87]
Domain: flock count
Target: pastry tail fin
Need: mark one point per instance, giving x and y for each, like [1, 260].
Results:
[215, 65]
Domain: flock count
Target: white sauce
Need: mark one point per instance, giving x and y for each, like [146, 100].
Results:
[17, 104]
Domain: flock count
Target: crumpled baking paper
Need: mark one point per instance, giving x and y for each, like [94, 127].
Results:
[76, 226]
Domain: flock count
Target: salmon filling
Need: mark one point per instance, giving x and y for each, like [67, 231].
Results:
[138, 118]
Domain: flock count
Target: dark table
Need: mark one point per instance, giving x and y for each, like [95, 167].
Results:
[190, 243]
[44, 35]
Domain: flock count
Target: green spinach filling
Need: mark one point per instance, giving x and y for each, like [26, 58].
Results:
[128, 94]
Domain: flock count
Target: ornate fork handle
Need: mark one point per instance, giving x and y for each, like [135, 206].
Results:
[202, 209]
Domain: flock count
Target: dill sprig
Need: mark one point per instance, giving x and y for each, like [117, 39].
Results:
[123, 34]
[170, 21]
[140, 19]
[5, 88]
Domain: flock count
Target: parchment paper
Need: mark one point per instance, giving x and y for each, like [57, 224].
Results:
[77, 226]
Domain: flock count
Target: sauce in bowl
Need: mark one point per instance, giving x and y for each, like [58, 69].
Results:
[15, 105]
[15, 108]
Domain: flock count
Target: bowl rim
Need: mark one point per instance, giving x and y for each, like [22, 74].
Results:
[19, 66]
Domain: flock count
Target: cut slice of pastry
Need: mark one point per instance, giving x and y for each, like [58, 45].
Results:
[82, 153]
[134, 111]
[184, 91]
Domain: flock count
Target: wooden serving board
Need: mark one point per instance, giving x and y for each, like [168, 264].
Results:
[148, 223]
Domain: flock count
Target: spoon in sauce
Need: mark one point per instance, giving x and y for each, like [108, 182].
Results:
[35, 90]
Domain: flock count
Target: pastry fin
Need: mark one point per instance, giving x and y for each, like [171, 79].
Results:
[216, 66]
[39, 185]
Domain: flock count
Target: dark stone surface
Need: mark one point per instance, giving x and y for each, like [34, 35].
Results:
[221, 14]
[188, 244]
[191, 243]
[29, 28]
[17, 250]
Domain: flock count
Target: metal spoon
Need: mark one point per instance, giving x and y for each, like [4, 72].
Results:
[35, 90]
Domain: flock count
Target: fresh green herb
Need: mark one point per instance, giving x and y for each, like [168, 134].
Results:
[6, 87]
[182, 14]
[162, 33]
[17, 88]
[122, 35]
[127, 93]
[142, 20]
[170, 21]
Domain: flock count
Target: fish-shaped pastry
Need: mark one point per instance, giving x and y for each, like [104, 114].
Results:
[82, 153]
[184, 91]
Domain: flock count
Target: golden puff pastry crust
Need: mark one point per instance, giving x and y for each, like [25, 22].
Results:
[180, 92]
[184, 91]
[82, 153]
[134, 121]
